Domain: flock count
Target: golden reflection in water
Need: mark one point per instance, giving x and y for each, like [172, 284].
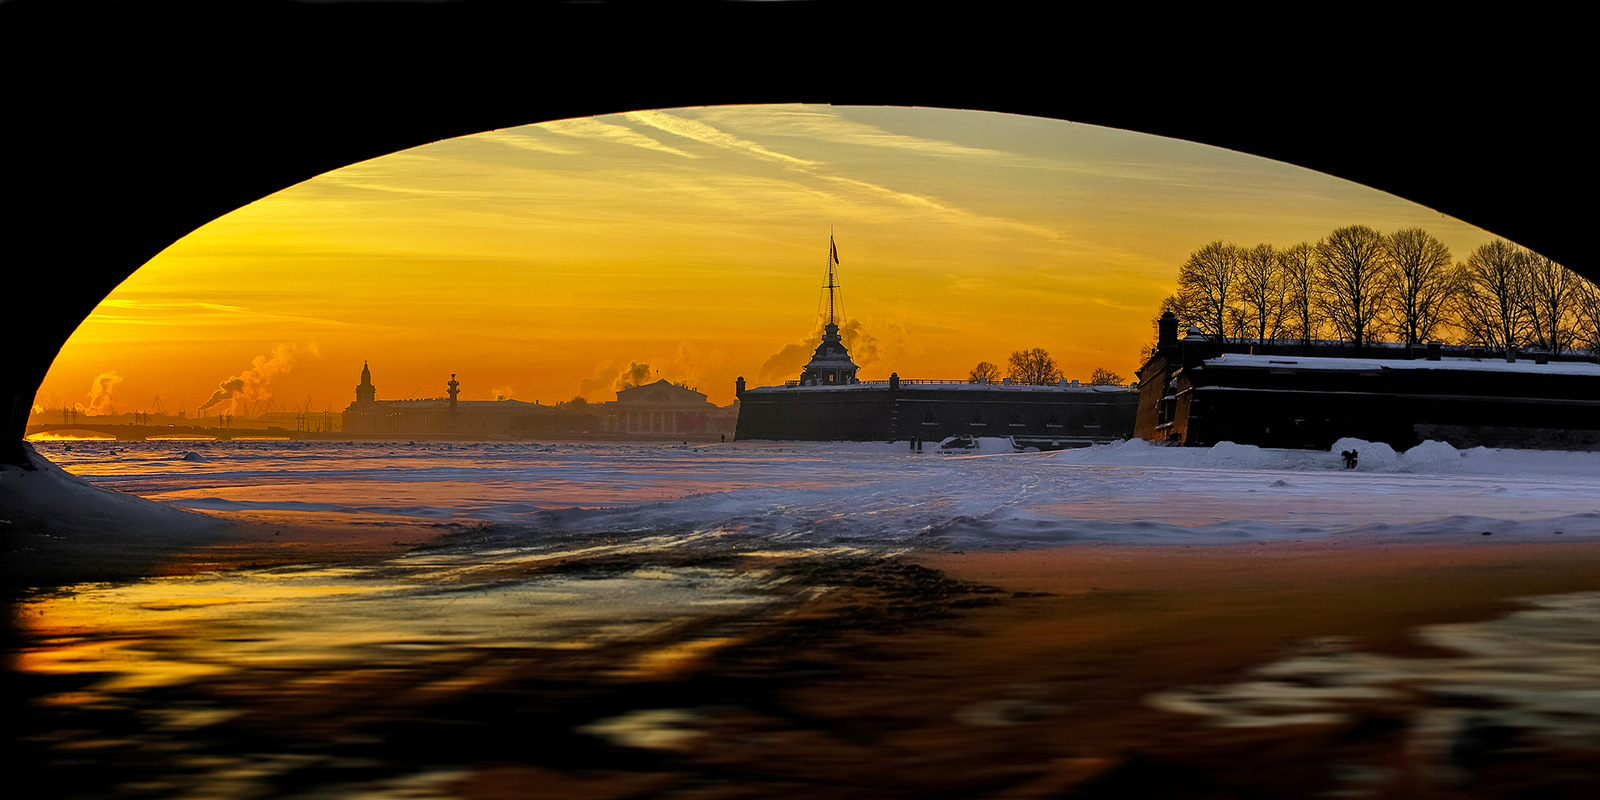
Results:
[168, 631]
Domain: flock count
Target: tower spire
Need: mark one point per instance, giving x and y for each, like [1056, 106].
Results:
[830, 364]
[833, 261]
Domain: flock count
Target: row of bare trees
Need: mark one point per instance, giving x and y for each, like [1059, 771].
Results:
[1035, 367]
[1361, 285]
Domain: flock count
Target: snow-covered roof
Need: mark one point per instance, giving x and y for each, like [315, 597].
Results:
[1377, 364]
[958, 387]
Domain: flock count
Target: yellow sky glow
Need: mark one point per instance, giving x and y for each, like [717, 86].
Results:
[541, 261]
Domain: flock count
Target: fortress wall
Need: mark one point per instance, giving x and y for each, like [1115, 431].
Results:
[934, 413]
[1398, 407]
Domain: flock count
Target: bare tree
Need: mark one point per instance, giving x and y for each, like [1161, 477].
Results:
[1262, 292]
[984, 372]
[1586, 330]
[1206, 288]
[1493, 307]
[1353, 278]
[1423, 285]
[1104, 377]
[1303, 318]
[1551, 297]
[1034, 367]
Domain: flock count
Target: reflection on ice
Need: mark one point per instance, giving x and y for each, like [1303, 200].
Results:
[165, 631]
[1536, 671]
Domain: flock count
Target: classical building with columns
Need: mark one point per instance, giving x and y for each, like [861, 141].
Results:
[664, 409]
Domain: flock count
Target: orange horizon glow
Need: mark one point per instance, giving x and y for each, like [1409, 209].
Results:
[548, 261]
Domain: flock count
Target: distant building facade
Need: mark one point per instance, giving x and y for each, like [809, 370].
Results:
[442, 416]
[665, 409]
[659, 410]
[1196, 392]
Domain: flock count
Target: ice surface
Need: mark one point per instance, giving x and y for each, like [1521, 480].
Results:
[879, 493]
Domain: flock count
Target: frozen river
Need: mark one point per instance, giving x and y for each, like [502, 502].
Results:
[870, 494]
[613, 605]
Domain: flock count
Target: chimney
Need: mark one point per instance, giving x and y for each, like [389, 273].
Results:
[1167, 331]
[894, 381]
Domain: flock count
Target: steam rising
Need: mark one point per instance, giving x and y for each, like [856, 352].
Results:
[682, 368]
[787, 362]
[251, 389]
[637, 374]
[100, 392]
[608, 377]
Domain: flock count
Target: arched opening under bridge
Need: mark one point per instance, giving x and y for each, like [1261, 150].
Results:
[110, 170]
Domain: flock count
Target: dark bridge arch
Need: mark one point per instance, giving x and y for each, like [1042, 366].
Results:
[173, 124]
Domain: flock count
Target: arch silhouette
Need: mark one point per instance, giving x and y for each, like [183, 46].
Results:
[189, 111]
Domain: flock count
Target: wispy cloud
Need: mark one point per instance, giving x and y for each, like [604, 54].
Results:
[125, 302]
[1120, 306]
[701, 132]
[827, 124]
[605, 131]
[129, 311]
[924, 202]
[523, 141]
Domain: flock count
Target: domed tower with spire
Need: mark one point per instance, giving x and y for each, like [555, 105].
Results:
[365, 391]
[830, 365]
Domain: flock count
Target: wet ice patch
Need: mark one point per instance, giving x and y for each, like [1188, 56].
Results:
[1533, 671]
[647, 729]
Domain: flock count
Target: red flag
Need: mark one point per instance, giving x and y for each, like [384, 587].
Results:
[833, 252]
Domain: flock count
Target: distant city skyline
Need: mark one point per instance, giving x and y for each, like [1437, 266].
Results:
[556, 260]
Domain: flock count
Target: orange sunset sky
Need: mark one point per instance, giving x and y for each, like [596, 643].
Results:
[542, 262]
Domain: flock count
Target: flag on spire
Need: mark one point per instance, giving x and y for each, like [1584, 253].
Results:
[833, 251]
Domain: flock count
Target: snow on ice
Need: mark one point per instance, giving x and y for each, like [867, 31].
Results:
[807, 494]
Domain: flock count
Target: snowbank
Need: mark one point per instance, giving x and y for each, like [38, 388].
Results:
[1428, 457]
[58, 527]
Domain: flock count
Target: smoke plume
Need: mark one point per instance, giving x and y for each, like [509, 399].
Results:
[786, 363]
[682, 368]
[100, 392]
[253, 387]
[605, 376]
[636, 374]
